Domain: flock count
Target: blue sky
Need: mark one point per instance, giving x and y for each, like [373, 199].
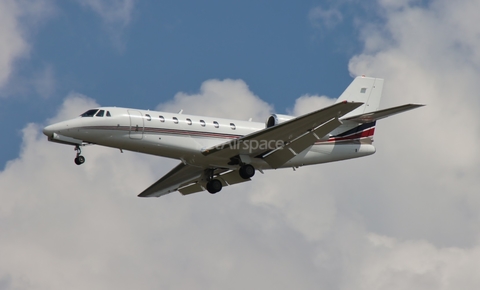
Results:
[156, 49]
[406, 217]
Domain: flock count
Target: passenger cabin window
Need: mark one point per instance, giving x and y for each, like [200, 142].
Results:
[89, 113]
[189, 122]
[108, 114]
[175, 120]
[162, 119]
[215, 124]
[100, 113]
[233, 126]
[202, 122]
[149, 118]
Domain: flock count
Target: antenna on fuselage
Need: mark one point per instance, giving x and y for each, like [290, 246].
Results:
[181, 111]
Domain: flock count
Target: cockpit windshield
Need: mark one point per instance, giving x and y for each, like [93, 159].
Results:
[89, 113]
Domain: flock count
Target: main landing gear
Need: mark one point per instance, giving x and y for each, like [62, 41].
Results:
[246, 171]
[214, 186]
[79, 159]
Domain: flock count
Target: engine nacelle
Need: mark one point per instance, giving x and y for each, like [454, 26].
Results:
[276, 119]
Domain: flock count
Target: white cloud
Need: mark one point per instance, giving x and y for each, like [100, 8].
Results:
[429, 55]
[306, 104]
[17, 21]
[232, 96]
[405, 218]
[13, 43]
[83, 226]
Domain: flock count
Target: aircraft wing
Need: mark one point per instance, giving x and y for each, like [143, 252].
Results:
[294, 136]
[179, 176]
[189, 179]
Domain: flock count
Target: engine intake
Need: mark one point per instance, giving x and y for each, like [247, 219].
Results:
[276, 119]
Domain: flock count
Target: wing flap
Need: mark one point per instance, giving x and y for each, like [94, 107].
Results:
[197, 187]
[232, 177]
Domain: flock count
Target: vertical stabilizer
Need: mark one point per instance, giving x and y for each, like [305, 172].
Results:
[366, 90]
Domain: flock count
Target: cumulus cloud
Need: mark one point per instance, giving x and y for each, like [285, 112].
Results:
[306, 104]
[17, 19]
[83, 226]
[404, 218]
[233, 96]
[429, 55]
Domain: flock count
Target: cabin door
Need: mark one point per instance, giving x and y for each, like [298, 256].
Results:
[136, 124]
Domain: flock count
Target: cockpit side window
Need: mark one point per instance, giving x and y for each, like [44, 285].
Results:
[100, 113]
[108, 114]
[89, 113]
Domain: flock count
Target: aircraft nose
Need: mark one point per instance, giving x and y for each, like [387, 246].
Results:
[50, 129]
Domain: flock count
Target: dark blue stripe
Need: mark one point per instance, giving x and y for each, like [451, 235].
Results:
[357, 129]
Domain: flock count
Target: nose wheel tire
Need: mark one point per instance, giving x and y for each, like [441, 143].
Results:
[79, 160]
[214, 186]
[247, 171]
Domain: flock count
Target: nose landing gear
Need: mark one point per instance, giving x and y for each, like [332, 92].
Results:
[79, 159]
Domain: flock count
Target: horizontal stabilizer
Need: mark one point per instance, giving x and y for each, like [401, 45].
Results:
[377, 115]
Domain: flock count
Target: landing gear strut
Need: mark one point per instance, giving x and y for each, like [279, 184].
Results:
[79, 159]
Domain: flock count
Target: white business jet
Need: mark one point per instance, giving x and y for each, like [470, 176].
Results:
[217, 152]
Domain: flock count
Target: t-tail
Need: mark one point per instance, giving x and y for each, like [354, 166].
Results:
[359, 125]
